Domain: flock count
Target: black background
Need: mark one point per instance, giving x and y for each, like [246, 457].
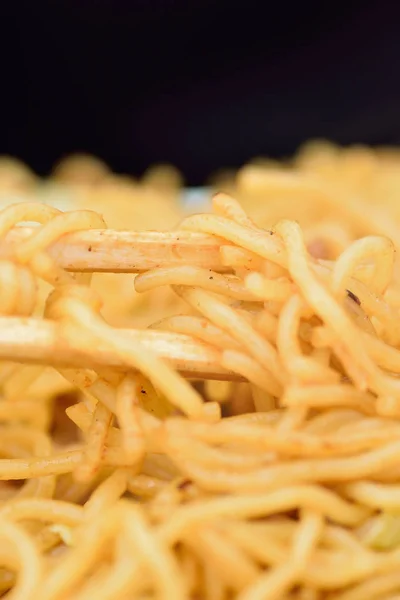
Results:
[198, 83]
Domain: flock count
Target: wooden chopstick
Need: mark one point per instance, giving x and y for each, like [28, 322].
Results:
[39, 341]
[107, 250]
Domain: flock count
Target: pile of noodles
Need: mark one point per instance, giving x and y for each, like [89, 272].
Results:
[283, 486]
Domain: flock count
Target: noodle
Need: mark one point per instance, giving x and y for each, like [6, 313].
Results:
[281, 482]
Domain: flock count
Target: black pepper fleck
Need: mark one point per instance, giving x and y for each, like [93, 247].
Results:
[184, 484]
[353, 297]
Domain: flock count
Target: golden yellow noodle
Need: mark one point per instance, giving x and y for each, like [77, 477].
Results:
[280, 484]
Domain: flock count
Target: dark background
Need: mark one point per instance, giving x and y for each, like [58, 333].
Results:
[203, 84]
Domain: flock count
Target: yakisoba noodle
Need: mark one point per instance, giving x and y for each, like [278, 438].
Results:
[294, 493]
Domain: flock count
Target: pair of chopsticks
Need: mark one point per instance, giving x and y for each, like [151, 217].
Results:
[30, 340]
